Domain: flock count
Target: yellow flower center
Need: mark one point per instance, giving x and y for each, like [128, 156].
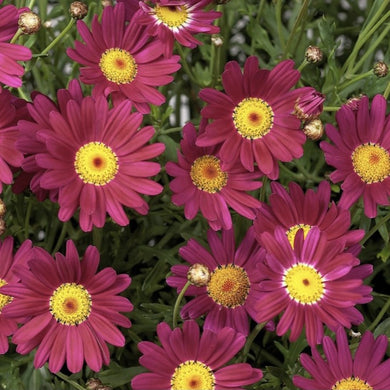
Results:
[193, 375]
[371, 162]
[118, 66]
[207, 175]
[4, 299]
[171, 16]
[351, 384]
[70, 304]
[228, 286]
[292, 232]
[253, 118]
[96, 163]
[304, 283]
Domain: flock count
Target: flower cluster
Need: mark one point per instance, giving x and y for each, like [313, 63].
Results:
[275, 225]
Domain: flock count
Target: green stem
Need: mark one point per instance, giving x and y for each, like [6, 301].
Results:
[184, 64]
[22, 94]
[215, 57]
[61, 238]
[27, 219]
[59, 37]
[375, 228]
[263, 190]
[303, 64]
[364, 35]
[380, 315]
[18, 33]
[330, 108]
[355, 79]
[257, 22]
[177, 303]
[298, 22]
[171, 130]
[387, 91]
[31, 5]
[257, 329]
[70, 381]
[279, 23]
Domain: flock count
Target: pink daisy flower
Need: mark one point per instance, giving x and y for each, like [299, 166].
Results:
[121, 60]
[10, 70]
[360, 154]
[312, 284]
[9, 155]
[200, 182]
[173, 20]
[131, 6]
[190, 360]
[294, 210]
[96, 158]
[71, 310]
[253, 118]
[8, 261]
[340, 371]
[230, 295]
[28, 143]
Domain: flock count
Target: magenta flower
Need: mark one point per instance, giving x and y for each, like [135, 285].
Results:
[29, 144]
[121, 60]
[10, 70]
[360, 154]
[253, 118]
[230, 294]
[312, 284]
[309, 105]
[96, 158]
[200, 183]
[294, 210]
[340, 371]
[190, 360]
[9, 155]
[70, 310]
[131, 6]
[173, 20]
[7, 276]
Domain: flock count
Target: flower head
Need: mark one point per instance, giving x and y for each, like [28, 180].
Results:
[253, 118]
[7, 276]
[312, 284]
[230, 294]
[121, 60]
[201, 183]
[360, 152]
[70, 310]
[294, 210]
[10, 70]
[309, 105]
[172, 20]
[190, 360]
[11, 110]
[96, 158]
[340, 371]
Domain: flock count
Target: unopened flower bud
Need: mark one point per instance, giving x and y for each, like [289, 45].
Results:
[217, 40]
[106, 3]
[2, 208]
[381, 69]
[93, 383]
[78, 10]
[314, 129]
[3, 226]
[353, 103]
[198, 275]
[29, 22]
[313, 54]
[309, 105]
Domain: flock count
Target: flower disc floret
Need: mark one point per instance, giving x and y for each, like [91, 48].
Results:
[371, 162]
[207, 175]
[171, 16]
[253, 118]
[70, 304]
[351, 384]
[193, 375]
[304, 284]
[4, 299]
[292, 231]
[229, 286]
[118, 66]
[96, 163]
